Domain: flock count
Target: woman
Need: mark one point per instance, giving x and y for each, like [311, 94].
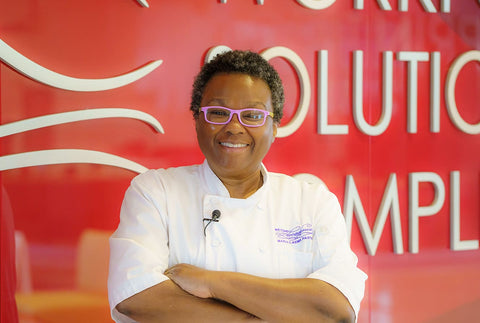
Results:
[228, 241]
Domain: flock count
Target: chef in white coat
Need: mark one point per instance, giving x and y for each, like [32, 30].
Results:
[226, 240]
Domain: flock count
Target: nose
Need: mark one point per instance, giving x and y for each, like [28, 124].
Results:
[234, 126]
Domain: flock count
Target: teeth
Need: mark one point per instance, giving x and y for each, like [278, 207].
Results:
[230, 145]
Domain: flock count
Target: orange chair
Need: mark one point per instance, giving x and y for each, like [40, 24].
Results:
[87, 302]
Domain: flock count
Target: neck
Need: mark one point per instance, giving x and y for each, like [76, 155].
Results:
[244, 187]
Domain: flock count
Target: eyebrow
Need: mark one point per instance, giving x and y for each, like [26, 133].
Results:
[252, 104]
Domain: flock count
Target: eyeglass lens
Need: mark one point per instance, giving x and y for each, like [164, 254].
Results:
[248, 117]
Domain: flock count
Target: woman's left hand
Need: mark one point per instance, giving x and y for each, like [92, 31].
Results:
[191, 279]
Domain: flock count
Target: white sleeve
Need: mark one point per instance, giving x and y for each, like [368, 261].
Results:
[334, 261]
[139, 247]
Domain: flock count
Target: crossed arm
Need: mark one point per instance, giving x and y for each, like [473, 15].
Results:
[199, 295]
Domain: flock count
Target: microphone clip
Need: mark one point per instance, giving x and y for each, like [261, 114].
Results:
[215, 218]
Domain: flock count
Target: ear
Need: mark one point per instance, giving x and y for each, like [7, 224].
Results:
[196, 119]
[275, 126]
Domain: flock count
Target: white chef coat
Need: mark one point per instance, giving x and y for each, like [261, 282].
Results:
[287, 229]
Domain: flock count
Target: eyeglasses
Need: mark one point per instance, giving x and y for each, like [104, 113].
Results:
[248, 117]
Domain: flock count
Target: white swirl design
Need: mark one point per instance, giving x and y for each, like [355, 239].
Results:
[260, 2]
[73, 116]
[67, 156]
[144, 3]
[63, 156]
[41, 74]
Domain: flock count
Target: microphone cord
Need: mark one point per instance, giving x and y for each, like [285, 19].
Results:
[215, 218]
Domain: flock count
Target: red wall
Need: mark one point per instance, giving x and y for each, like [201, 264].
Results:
[53, 204]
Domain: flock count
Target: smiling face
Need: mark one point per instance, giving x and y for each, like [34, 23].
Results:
[232, 150]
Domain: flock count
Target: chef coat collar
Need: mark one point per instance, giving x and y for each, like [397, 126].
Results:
[215, 186]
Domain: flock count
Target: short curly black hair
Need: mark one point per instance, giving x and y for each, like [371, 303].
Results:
[244, 62]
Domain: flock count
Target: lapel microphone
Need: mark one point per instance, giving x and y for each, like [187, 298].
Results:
[215, 218]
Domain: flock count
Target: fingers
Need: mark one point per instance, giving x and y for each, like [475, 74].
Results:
[178, 269]
[170, 271]
[189, 278]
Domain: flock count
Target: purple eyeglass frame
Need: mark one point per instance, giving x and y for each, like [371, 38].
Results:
[237, 112]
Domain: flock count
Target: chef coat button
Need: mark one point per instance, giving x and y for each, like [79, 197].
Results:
[216, 243]
[324, 230]
[261, 249]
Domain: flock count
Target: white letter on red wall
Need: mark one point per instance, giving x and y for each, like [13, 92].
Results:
[415, 210]
[455, 243]
[323, 128]
[316, 4]
[457, 65]
[412, 58]
[384, 4]
[427, 5]
[435, 92]
[357, 103]
[305, 88]
[390, 203]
